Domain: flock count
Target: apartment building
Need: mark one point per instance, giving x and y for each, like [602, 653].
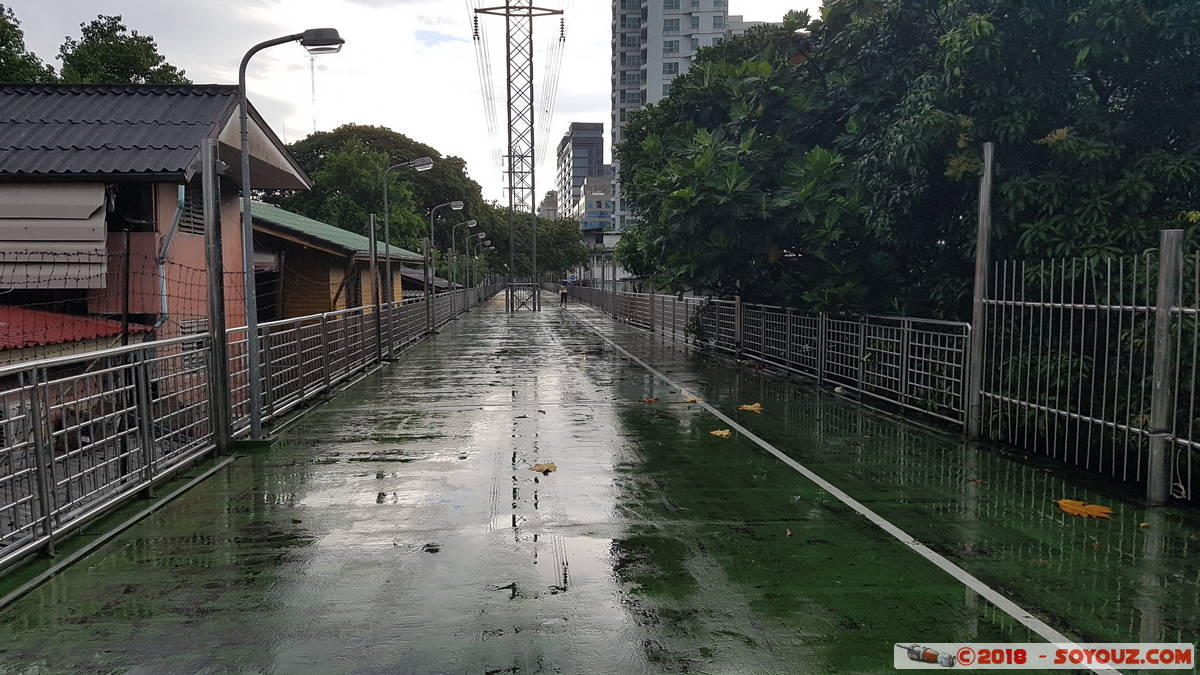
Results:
[653, 42]
[580, 156]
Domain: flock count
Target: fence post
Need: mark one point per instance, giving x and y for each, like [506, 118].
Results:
[268, 381]
[822, 335]
[44, 469]
[787, 338]
[651, 296]
[983, 238]
[326, 376]
[905, 345]
[738, 324]
[376, 293]
[862, 353]
[220, 409]
[1162, 399]
[145, 413]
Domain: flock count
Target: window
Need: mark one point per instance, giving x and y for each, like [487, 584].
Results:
[671, 47]
[191, 220]
[719, 22]
[666, 88]
[670, 26]
[695, 22]
[718, 4]
[670, 4]
[630, 41]
[670, 68]
[695, 44]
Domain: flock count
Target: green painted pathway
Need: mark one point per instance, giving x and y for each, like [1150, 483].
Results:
[398, 529]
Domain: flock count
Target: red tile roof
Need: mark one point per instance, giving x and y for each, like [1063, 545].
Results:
[21, 327]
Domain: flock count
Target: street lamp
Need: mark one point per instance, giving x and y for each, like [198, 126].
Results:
[429, 317]
[316, 41]
[454, 258]
[419, 164]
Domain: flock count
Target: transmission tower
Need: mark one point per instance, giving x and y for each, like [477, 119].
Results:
[523, 291]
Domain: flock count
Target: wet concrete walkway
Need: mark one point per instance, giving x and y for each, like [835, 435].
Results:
[399, 530]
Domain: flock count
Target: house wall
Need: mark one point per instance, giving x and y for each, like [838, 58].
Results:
[186, 269]
[307, 279]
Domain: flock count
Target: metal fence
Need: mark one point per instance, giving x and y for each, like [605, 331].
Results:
[81, 433]
[917, 364]
[1094, 362]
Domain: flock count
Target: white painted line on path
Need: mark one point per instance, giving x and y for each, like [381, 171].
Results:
[966, 578]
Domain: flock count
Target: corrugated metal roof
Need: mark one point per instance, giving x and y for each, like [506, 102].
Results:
[346, 240]
[21, 327]
[108, 130]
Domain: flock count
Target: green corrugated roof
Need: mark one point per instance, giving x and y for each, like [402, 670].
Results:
[330, 234]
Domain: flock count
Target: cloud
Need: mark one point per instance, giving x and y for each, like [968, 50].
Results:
[433, 38]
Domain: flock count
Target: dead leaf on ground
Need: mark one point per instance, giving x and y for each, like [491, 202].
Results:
[977, 481]
[296, 522]
[647, 400]
[753, 407]
[1073, 507]
[1144, 525]
[691, 400]
[544, 469]
[723, 433]
[789, 532]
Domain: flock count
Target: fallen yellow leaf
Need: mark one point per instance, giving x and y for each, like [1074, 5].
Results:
[691, 400]
[544, 468]
[647, 400]
[1083, 510]
[1144, 525]
[723, 433]
[753, 407]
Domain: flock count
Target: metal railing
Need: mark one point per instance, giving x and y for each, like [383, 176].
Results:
[917, 364]
[1071, 352]
[81, 433]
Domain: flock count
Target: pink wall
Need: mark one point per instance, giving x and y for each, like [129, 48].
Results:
[186, 271]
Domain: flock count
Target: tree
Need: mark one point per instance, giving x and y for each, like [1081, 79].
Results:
[839, 165]
[109, 53]
[347, 166]
[18, 65]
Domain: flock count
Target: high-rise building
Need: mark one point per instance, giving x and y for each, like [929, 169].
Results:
[580, 156]
[653, 42]
[549, 206]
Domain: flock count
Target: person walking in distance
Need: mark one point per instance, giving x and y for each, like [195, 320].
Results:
[562, 295]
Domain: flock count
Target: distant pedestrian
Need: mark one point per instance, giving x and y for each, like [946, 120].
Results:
[562, 295]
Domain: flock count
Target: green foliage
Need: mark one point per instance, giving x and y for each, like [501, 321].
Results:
[107, 52]
[18, 65]
[836, 162]
[347, 166]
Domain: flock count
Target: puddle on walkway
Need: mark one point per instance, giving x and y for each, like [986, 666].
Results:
[399, 529]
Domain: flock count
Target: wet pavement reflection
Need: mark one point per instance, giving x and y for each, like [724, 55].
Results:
[400, 529]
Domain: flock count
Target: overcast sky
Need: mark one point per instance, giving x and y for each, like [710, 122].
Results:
[408, 64]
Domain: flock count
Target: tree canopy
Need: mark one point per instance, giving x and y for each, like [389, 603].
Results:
[347, 166]
[835, 163]
[107, 52]
[17, 64]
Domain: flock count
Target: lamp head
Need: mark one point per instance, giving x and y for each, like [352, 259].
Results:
[457, 206]
[322, 41]
[421, 164]
[472, 223]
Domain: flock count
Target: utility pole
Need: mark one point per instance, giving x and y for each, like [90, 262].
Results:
[523, 291]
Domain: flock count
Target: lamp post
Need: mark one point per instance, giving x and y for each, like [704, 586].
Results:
[453, 258]
[316, 41]
[472, 254]
[429, 316]
[419, 164]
